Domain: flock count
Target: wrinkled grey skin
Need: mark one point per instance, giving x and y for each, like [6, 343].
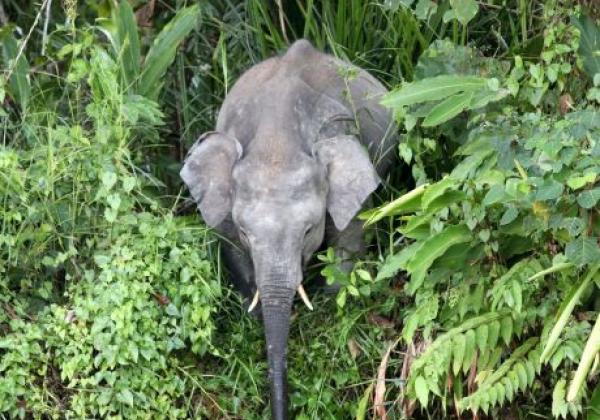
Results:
[290, 146]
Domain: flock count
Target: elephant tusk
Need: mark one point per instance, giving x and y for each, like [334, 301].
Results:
[304, 297]
[254, 302]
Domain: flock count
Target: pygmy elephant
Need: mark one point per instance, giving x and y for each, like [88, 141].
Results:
[295, 139]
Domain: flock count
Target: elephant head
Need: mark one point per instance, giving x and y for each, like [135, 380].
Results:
[277, 195]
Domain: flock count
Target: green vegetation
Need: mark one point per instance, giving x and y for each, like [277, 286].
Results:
[481, 289]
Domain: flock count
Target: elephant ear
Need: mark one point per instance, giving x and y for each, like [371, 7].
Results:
[352, 177]
[207, 172]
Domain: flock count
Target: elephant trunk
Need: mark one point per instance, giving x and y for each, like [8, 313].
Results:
[276, 318]
[276, 294]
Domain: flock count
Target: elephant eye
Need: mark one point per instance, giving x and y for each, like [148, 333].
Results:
[308, 230]
[243, 237]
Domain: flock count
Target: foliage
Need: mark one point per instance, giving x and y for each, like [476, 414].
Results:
[100, 284]
[483, 263]
[495, 245]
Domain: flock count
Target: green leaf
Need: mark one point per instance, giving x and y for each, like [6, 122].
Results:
[162, 52]
[559, 406]
[448, 109]
[481, 335]
[530, 365]
[421, 390]
[517, 295]
[172, 310]
[425, 9]
[109, 179]
[405, 152]
[363, 405]
[341, 298]
[593, 412]
[512, 375]
[458, 352]
[592, 346]
[469, 350]
[588, 199]
[555, 268]
[464, 10]
[126, 397]
[128, 42]
[19, 87]
[506, 329]
[494, 195]
[468, 165]
[564, 313]
[589, 44]
[445, 200]
[522, 375]
[583, 251]
[509, 216]
[501, 393]
[493, 333]
[550, 190]
[577, 182]
[433, 248]
[409, 202]
[574, 225]
[396, 262]
[436, 190]
[432, 89]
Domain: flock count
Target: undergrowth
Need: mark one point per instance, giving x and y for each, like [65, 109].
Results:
[478, 296]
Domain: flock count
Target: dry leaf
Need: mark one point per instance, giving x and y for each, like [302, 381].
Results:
[565, 103]
[378, 403]
[413, 350]
[161, 299]
[354, 348]
[144, 14]
[380, 321]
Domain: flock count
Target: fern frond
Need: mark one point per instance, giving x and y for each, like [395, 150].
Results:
[516, 373]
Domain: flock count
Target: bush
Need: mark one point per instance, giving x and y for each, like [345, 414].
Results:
[496, 245]
[101, 284]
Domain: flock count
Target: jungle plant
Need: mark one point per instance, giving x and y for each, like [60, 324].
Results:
[496, 245]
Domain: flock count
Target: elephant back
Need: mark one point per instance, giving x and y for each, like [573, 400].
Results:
[354, 89]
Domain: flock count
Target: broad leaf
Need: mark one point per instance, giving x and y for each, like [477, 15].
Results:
[436, 190]
[587, 358]
[18, 83]
[128, 42]
[588, 199]
[421, 390]
[583, 251]
[447, 109]
[565, 312]
[433, 248]
[594, 406]
[396, 262]
[589, 44]
[162, 52]
[407, 203]
[432, 89]
[464, 10]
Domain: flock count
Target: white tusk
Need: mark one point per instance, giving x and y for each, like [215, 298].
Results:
[304, 297]
[254, 302]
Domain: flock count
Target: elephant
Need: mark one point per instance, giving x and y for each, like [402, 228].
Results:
[301, 142]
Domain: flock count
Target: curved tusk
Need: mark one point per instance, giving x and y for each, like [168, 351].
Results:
[304, 297]
[254, 302]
